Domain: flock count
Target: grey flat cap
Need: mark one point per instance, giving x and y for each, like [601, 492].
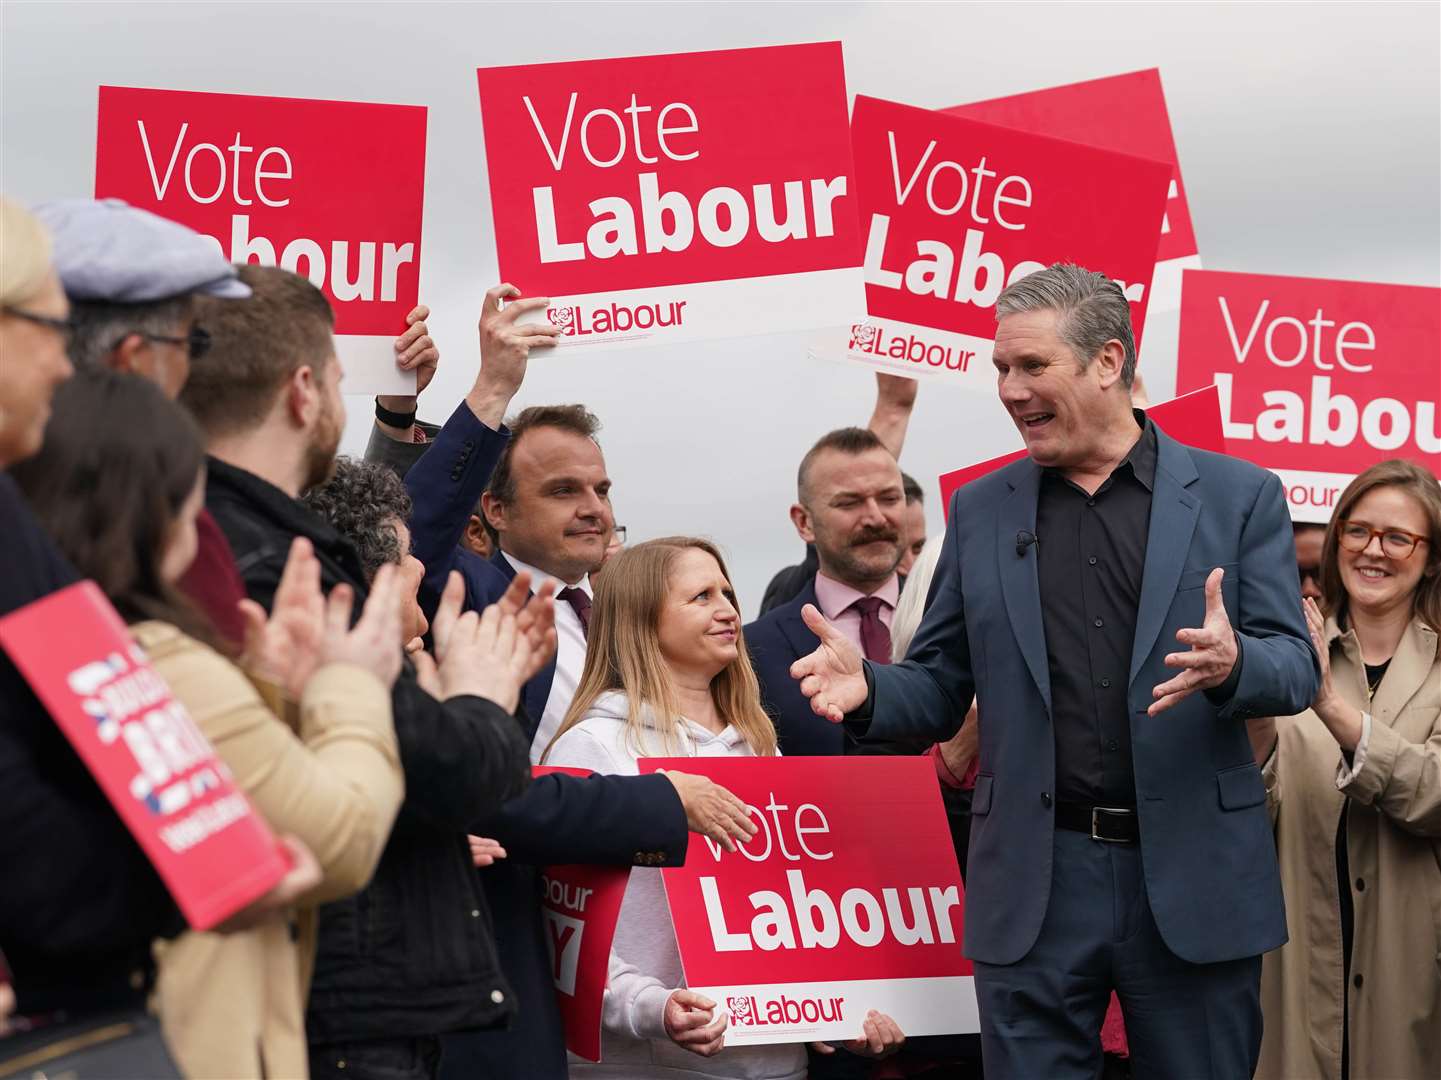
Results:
[106, 249]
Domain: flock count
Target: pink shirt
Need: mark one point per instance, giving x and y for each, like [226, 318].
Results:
[835, 600]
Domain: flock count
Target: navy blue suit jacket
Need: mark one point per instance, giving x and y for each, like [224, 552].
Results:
[1206, 844]
[558, 819]
[776, 641]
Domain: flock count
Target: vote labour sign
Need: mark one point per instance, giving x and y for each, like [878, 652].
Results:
[329, 189]
[580, 905]
[847, 899]
[177, 798]
[954, 210]
[667, 198]
[1318, 379]
[1126, 113]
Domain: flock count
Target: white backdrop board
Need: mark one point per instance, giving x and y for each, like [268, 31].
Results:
[1310, 137]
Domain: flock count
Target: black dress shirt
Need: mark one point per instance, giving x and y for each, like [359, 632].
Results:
[1091, 557]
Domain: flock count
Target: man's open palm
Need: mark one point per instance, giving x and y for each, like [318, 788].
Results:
[831, 676]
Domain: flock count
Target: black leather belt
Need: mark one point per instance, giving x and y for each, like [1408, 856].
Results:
[1111, 824]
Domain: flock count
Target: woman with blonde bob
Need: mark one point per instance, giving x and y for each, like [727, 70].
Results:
[1354, 789]
[667, 674]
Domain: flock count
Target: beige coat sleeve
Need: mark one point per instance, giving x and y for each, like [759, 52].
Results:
[1402, 779]
[337, 786]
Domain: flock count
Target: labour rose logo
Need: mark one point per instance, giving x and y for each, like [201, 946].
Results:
[863, 336]
[740, 1009]
[563, 317]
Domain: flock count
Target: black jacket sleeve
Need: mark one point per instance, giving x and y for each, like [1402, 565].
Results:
[621, 820]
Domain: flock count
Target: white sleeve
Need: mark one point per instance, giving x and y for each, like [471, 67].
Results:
[578, 749]
[634, 1003]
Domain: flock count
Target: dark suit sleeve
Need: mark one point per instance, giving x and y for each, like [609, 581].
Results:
[1281, 671]
[398, 455]
[462, 758]
[444, 486]
[619, 820]
[927, 695]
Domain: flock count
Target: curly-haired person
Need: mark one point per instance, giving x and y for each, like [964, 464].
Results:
[368, 505]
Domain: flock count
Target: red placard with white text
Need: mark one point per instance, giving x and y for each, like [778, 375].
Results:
[848, 898]
[177, 798]
[658, 199]
[1193, 419]
[330, 189]
[581, 905]
[954, 209]
[1126, 113]
[1318, 379]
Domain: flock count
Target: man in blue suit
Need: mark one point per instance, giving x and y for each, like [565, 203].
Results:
[549, 499]
[1119, 833]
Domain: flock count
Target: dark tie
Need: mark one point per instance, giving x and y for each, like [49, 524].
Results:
[875, 638]
[578, 599]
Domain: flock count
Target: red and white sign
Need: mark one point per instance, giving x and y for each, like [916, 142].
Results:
[659, 199]
[330, 189]
[177, 798]
[1193, 419]
[847, 899]
[1128, 114]
[1318, 379]
[954, 210]
[580, 905]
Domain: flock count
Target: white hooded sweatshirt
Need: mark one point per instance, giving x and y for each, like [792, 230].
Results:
[644, 961]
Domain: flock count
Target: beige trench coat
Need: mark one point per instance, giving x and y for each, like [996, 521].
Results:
[232, 1006]
[1393, 843]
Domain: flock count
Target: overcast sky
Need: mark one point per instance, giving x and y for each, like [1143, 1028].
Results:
[1309, 136]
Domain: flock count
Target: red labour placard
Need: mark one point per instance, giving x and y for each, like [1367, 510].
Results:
[1193, 419]
[330, 189]
[580, 905]
[667, 198]
[847, 899]
[1318, 379]
[177, 798]
[954, 209]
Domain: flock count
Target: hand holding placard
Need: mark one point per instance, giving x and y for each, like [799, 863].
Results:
[505, 344]
[831, 676]
[1213, 652]
[689, 1023]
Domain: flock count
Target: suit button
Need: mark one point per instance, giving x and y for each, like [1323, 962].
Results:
[1360, 884]
[475, 913]
[1105, 684]
[469, 445]
[1113, 745]
[496, 996]
[1357, 981]
[1092, 560]
[639, 857]
[455, 474]
[1099, 622]
[1045, 798]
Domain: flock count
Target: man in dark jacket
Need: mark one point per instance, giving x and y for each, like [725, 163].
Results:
[412, 956]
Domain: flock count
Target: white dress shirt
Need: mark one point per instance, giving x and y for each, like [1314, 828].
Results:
[569, 656]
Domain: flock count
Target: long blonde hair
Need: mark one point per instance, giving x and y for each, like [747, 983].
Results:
[623, 652]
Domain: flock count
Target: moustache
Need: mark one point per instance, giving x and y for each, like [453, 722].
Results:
[870, 536]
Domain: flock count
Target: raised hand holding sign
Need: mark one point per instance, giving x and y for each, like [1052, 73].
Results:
[831, 676]
[1213, 652]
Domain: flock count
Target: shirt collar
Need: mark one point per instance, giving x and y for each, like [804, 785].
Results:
[539, 576]
[1142, 457]
[834, 597]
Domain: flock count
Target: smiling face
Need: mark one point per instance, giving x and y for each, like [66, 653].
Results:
[1060, 408]
[855, 514]
[560, 518]
[1377, 583]
[699, 626]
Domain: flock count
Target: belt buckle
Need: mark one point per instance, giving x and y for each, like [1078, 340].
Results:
[1096, 811]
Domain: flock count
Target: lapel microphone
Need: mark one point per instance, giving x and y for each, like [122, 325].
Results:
[1024, 539]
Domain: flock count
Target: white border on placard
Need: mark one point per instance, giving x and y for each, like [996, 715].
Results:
[781, 303]
[370, 368]
[944, 1005]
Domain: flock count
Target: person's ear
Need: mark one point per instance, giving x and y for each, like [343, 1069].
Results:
[476, 538]
[494, 511]
[132, 355]
[1108, 363]
[801, 519]
[302, 397]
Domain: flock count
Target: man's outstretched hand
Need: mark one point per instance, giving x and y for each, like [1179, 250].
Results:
[831, 676]
[1212, 655]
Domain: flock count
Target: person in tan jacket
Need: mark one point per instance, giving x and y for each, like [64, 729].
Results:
[1354, 789]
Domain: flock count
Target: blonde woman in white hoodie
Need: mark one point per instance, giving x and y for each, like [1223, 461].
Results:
[667, 674]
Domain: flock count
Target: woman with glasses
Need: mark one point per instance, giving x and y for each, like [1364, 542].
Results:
[1354, 789]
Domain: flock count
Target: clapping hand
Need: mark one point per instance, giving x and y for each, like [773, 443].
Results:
[831, 677]
[1212, 656]
[492, 655]
[283, 646]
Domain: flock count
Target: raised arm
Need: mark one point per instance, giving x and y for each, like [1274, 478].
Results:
[895, 400]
